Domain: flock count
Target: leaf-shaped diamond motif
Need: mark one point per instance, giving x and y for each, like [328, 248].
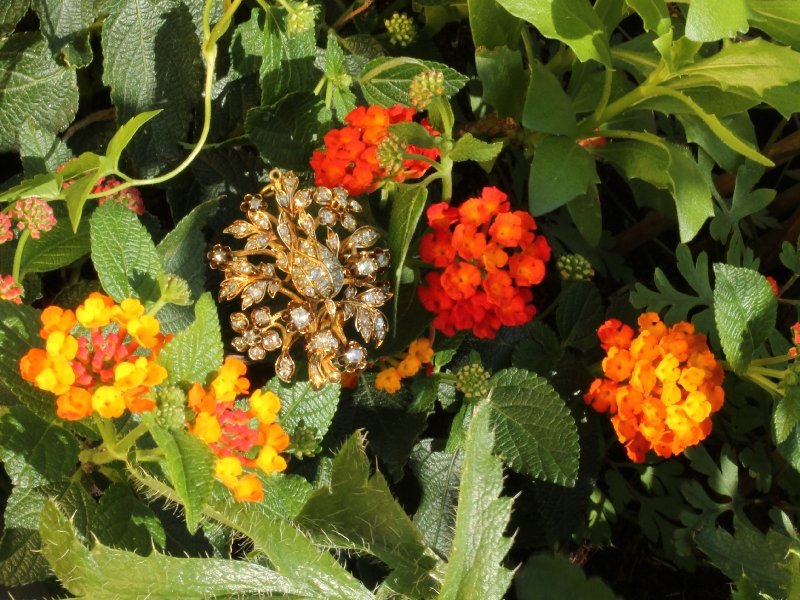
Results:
[261, 220]
[364, 323]
[284, 230]
[363, 237]
[284, 367]
[316, 271]
[332, 241]
[240, 229]
[301, 199]
[253, 293]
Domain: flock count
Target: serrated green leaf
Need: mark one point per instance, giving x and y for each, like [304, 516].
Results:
[385, 80]
[41, 151]
[654, 14]
[123, 254]
[691, 192]
[46, 186]
[34, 451]
[10, 14]
[151, 60]
[57, 248]
[560, 171]
[123, 136]
[20, 560]
[65, 24]
[285, 133]
[790, 256]
[578, 315]
[535, 432]
[469, 147]
[287, 65]
[554, 577]
[290, 552]
[438, 473]
[301, 402]
[504, 79]
[786, 414]
[196, 352]
[408, 204]
[745, 310]
[105, 573]
[547, 108]
[247, 44]
[475, 570]
[492, 25]
[125, 522]
[573, 22]
[35, 87]
[709, 21]
[358, 511]
[24, 506]
[780, 19]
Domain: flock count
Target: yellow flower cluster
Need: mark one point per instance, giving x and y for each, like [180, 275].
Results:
[107, 370]
[236, 434]
[661, 387]
[420, 352]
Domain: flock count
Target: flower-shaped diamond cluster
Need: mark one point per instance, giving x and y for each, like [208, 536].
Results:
[489, 257]
[660, 387]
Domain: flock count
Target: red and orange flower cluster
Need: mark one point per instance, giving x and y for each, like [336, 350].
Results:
[350, 158]
[236, 434]
[107, 369]
[660, 387]
[490, 258]
[420, 352]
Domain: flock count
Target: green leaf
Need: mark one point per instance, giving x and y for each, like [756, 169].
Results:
[547, 108]
[541, 352]
[301, 402]
[247, 45]
[358, 511]
[196, 352]
[290, 552]
[560, 171]
[190, 466]
[123, 254]
[45, 185]
[413, 133]
[578, 314]
[554, 578]
[573, 22]
[151, 60]
[535, 432]
[790, 448]
[786, 414]
[385, 80]
[125, 522]
[469, 147]
[586, 213]
[475, 570]
[780, 19]
[41, 151]
[123, 136]
[287, 65]
[790, 256]
[21, 562]
[654, 14]
[408, 205]
[438, 473]
[504, 79]
[491, 25]
[65, 24]
[10, 14]
[57, 248]
[105, 573]
[745, 310]
[709, 21]
[77, 194]
[35, 452]
[285, 133]
[34, 87]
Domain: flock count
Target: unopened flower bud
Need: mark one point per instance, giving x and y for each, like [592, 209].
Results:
[304, 442]
[171, 407]
[473, 381]
[34, 214]
[425, 87]
[175, 290]
[6, 232]
[390, 154]
[10, 290]
[574, 267]
[301, 17]
[401, 28]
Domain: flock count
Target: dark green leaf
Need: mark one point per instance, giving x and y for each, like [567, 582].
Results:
[786, 415]
[301, 402]
[475, 570]
[586, 213]
[35, 87]
[385, 80]
[535, 432]
[561, 170]
[413, 133]
[21, 562]
[287, 65]
[469, 147]
[57, 248]
[745, 310]
[65, 24]
[540, 352]
[123, 254]
[578, 315]
[408, 205]
[504, 79]
[709, 21]
[41, 151]
[247, 45]
[492, 25]
[554, 578]
[547, 106]
[125, 522]
[10, 14]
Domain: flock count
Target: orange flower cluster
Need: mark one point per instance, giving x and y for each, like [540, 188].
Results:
[490, 257]
[420, 352]
[350, 158]
[235, 434]
[661, 387]
[107, 370]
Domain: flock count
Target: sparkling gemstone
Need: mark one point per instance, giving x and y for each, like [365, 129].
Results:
[350, 292]
[366, 267]
[316, 271]
[322, 195]
[272, 287]
[349, 222]
[306, 223]
[257, 242]
[284, 367]
[363, 237]
[238, 228]
[229, 289]
[253, 293]
[373, 297]
[332, 241]
[327, 216]
[302, 198]
[256, 202]
[239, 344]
[257, 353]
[380, 327]
[252, 337]
[242, 267]
[354, 205]
[290, 182]
[239, 322]
[261, 220]
[301, 317]
[323, 341]
[340, 196]
[354, 354]
[271, 340]
[382, 257]
[282, 198]
[364, 324]
[281, 260]
[261, 316]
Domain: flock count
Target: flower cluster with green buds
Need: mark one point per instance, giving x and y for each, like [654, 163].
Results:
[301, 17]
[574, 267]
[425, 87]
[401, 28]
[473, 381]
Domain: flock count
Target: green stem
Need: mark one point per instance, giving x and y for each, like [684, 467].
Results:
[771, 360]
[608, 75]
[528, 43]
[130, 438]
[149, 455]
[447, 179]
[23, 239]
[159, 304]
[764, 383]
[766, 372]
[789, 283]
[636, 95]
[107, 431]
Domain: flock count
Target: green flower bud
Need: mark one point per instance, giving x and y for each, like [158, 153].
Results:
[473, 381]
[574, 267]
[170, 407]
[401, 28]
[301, 17]
[390, 154]
[175, 290]
[425, 87]
[304, 442]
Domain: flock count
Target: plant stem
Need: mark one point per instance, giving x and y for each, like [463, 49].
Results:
[23, 239]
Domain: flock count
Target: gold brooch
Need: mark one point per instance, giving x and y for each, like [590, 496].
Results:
[324, 285]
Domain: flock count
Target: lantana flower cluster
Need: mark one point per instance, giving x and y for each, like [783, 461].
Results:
[420, 353]
[660, 387]
[351, 157]
[100, 358]
[487, 258]
[243, 438]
